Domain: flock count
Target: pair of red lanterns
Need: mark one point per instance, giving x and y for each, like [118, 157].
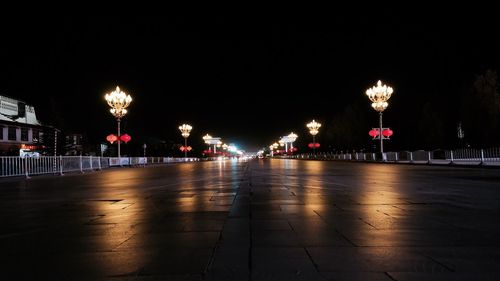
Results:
[113, 138]
[185, 148]
[376, 132]
[313, 145]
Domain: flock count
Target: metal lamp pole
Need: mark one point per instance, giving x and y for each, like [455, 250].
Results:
[313, 127]
[118, 101]
[379, 95]
[292, 137]
[185, 131]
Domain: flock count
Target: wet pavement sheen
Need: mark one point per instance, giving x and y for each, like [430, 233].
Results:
[257, 220]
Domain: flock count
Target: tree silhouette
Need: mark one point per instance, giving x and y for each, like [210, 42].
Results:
[481, 111]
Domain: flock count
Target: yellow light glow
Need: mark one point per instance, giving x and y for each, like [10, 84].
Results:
[185, 130]
[379, 95]
[313, 127]
[118, 101]
[207, 137]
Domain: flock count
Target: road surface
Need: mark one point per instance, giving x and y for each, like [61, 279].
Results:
[258, 220]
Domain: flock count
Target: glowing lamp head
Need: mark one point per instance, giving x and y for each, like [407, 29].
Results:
[118, 101]
[313, 127]
[185, 130]
[379, 95]
[207, 137]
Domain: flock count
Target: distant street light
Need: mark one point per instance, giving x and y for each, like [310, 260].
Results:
[292, 137]
[275, 145]
[206, 139]
[216, 142]
[118, 101]
[379, 95]
[185, 130]
[314, 130]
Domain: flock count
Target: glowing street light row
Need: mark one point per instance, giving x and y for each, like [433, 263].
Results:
[118, 100]
[217, 143]
[289, 139]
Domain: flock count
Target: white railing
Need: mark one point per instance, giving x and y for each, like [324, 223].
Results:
[28, 166]
[469, 156]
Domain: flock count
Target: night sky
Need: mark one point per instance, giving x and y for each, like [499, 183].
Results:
[245, 79]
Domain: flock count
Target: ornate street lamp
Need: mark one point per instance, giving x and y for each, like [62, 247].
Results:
[118, 101]
[314, 130]
[185, 130]
[275, 145]
[379, 95]
[292, 137]
[206, 139]
[216, 142]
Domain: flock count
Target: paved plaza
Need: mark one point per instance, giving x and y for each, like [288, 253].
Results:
[259, 220]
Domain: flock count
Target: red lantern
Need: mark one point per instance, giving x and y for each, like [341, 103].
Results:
[311, 145]
[182, 148]
[374, 133]
[111, 138]
[316, 145]
[125, 138]
[387, 133]
[189, 148]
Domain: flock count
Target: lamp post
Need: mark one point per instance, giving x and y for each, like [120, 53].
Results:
[292, 137]
[379, 95]
[314, 130]
[185, 130]
[275, 146]
[118, 101]
[206, 138]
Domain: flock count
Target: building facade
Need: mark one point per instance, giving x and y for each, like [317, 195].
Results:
[20, 131]
[73, 144]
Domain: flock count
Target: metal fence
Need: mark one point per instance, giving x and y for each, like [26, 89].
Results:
[28, 166]
[469, 156]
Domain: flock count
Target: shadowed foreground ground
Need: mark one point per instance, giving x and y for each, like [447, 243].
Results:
[259, 220]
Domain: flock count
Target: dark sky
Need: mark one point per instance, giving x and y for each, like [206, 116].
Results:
[246, 79]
